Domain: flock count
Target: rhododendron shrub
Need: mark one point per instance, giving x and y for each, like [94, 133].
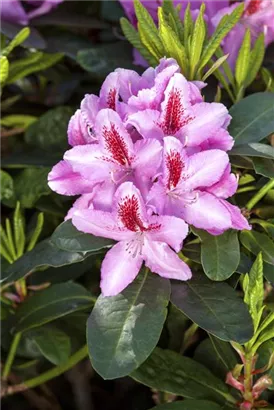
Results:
[150, 157]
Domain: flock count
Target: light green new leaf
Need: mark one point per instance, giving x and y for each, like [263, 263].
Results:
[214, 66]
[188, 26]
[172, 14]
[7, 189]
[254, 290]
[197, 41]
[134, 38]
[18, 120]
[242, 62]
[148, 31]
[4, 69]
[223, 28]
[17, 40]
[19, 230]
[255, 60]
[257, 242]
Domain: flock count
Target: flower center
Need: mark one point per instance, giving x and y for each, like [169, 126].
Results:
[129, 213]
[115, 145]
[253, 7]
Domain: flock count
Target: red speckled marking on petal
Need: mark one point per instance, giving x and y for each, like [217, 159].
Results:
[173, 116]
[111, 100]
[129, 213]
[115, 145]
[175, 166]
[253, 7]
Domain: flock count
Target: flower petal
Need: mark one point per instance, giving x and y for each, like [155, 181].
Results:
[119, 269]
[109, 93]
[89, 110]
[63, 180]
[159, 258]
[146, 123]
[100, 223]
[239, 222]
[226, 186]
[78, 130]
[172, 231]
[205, 168]
[221, 139]
[85, 201]
[13, 12]
[174, 164]
[148, 157]
[207, 212]
[208, 119]
[113, 137]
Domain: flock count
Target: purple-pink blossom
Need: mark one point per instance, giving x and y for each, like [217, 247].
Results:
[258, 16]
[148, 158]
[21, 12]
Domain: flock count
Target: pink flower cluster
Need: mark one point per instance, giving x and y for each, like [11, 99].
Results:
[258, 16]
[148, 158]
[21, 12]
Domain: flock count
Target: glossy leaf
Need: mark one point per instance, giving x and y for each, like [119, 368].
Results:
[43, 255]
[209, 304]
[53, 343]
[220, 255]
[189, 405]
[123, 330]
[252, 118]
[257, 242]
[170, 372]
[254, 150]
[50, 131]
[264, 166]
[49, 304]
[68, 238]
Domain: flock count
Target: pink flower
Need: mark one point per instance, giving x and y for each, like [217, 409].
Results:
[14, 12]
[183, 114]
[194, 188]
[141, 236]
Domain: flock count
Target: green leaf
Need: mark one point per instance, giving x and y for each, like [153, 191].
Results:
[269, 273]
[103, 59]
[17, 120]
[68, 238]
[214, 67]
[16, 41]
[123, 330]
[264, 354]
[253, 150]
[171, 42]
[253, 286]
[257, 242]
[6, 182]
[36, 232]
[53, 343]
[34, 40]
[223, 28]
[197, 41]
[189, 405]
[255, 60]
[242, 62]
[43, 255]
[188, 27]
[148, 31]
[220, 254]
[37, 61]
[170, 372]
[134, 38]
[264, 167]
[29, 186]
[50, 131]
[49, 304]
[19, 231]
[4, 69]
[224, 351]
[174, 19]
[252, 118]
[208, 304]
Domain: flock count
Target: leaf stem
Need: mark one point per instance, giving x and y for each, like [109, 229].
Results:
[11, 355]
[50, 374]
[259, 195]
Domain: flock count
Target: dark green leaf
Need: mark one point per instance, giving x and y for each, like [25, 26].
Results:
[220, 254]
[193, 252]
[68, 238]
[189, 405]
[50, 131]
[269, 273]
[264, 167]
[252, 118]
[49, 304]
[123, 330]
[170, 372]
[264, 353]
[257, 242]
[53, 343]
[34, 40]
[209, 304]
[68, 43]
[254, 150]
[67, 19]
[44, 254]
